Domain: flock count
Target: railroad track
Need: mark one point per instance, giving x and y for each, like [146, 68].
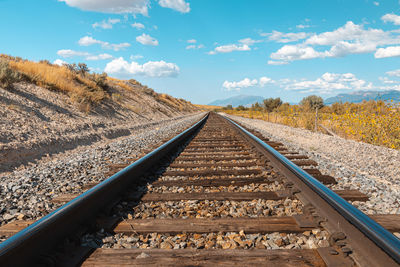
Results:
[214, 195]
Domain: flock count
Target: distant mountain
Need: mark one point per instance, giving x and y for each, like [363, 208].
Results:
[359, 96]
[244, 100]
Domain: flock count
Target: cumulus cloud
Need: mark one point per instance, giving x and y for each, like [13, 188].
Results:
[67, 53]
[229, 48]
[330, 82]
[295, 52]
[192, 41]
[137, 25]
[72, 53]
[146, 39]
[99, 57]
[88, 40]
[246, 82]
[348, 39]
[394, 73]
[391, 51]
[106, 24]
[376, 3]
[395, 19]
[249, 41]
[107, 6]
[193, 46]
[302, 26]
[123, 68]
[59, 62]
[281, 37]
[178, 5]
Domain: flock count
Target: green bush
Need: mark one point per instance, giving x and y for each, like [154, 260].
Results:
[8, 76]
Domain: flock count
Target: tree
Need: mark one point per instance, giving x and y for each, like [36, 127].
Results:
[270, 104]
[83, 69]
[229, 107]
[256, 107]
[312, 102]
[240, 108]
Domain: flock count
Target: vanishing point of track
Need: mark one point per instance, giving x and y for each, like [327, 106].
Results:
[216, 194]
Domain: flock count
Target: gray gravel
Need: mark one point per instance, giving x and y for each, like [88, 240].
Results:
[373, 170]
[27, 193]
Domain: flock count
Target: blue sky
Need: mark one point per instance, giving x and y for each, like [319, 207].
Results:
[203, 50]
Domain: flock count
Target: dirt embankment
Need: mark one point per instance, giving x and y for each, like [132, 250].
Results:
[37, 122]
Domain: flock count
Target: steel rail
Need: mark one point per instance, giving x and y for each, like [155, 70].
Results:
[26, 246]
[374, 231]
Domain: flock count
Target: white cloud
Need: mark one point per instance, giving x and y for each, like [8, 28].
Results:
[302, 26]
[178, 5]
[394, 73]
[134, 57]
[386, 80]
[106, 24]
[244, 45]
[391, 51]
[146, 39]
[376, 3]
[138, 25]
[264, 80]
[328, 83]
[114, 6]
[123, 68]
[71, 53]
[295, 52]
[59, 62]
[249, 41]
[354, 33]
[281, 37]
[395, 19]
[246, 82]
[191, 41]
[229, 48]
[67, 53]
[348, 39]
[88, 40]
[273, 62]
[99, 57]
[194, 46]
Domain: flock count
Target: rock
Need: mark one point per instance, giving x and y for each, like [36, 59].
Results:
[323, 243]
[142, 256]
[8, 217]
[20, 216]
[209, 244]
[226, 245]
[307, 233]
[166, 245]
[310, 243]
[279, 242]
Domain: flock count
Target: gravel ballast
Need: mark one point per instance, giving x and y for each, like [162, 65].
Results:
[373, 170]
[26, 193]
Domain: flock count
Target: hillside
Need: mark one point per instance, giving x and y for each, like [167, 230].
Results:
[359, 96]
[244, 100]
[41, 117]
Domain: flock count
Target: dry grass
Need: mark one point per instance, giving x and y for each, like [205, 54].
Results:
[78, 87]
[83, 88]
[208, 107]
[371, 122]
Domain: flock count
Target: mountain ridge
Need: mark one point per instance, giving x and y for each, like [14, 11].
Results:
[244, 100]
[359, 96]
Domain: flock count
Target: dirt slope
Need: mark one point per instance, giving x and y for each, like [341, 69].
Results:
[36, 121]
